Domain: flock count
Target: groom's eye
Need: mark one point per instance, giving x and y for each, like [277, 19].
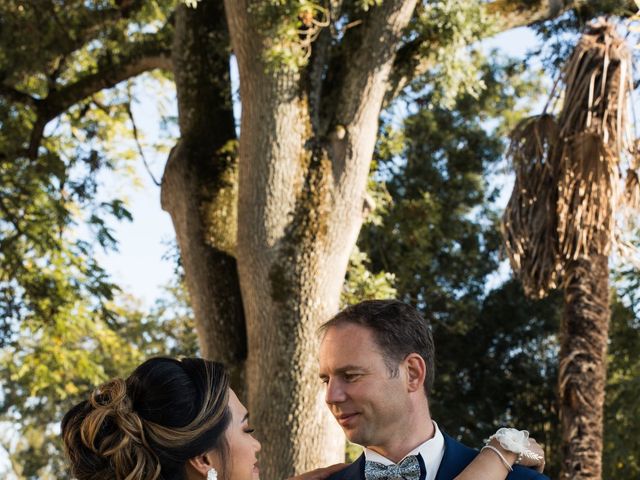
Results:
[351, 377]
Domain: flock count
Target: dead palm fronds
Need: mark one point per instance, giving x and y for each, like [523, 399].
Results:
[569, 190]
[588, 177]
[593, 127]
[530, 219]
[596, 79]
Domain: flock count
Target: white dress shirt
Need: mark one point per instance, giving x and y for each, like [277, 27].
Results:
[431, 451]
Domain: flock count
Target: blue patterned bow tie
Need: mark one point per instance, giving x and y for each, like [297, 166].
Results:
[407, 469]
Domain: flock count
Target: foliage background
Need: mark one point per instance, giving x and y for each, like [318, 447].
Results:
[431, 239]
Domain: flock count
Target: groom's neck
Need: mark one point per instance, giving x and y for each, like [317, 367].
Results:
[408, 433]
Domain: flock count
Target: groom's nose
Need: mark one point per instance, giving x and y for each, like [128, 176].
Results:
[335, 392]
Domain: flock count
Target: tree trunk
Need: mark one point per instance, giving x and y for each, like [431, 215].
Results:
[199, 183]
[305, 151]
[582, 373]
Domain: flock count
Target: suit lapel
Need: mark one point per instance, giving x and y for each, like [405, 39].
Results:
[355, 471]
[423, 468]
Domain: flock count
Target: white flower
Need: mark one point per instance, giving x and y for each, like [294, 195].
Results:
[516, 441]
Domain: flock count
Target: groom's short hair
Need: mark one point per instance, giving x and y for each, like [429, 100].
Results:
[398, 328]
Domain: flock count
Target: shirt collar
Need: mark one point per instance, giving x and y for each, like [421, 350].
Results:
[431, 451]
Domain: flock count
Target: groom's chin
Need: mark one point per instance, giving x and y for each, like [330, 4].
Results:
[354, 435]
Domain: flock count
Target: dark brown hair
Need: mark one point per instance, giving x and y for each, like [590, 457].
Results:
[398, 328]
[148, 426]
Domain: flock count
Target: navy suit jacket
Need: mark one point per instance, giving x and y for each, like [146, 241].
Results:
[456, 457]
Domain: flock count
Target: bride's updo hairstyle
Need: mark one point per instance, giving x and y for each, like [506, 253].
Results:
[148, 426]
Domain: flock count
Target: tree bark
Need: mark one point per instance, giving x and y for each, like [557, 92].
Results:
[582, 373]
[199, 181]
[303, 173]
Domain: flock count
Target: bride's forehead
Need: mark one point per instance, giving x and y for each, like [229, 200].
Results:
[238, 410]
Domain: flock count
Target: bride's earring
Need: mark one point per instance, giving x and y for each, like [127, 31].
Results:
[212, 474]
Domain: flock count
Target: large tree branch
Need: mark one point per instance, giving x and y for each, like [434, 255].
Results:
[411, 61]
[37, 131]
[519, 13]
[16, 95]
[59, 100]
[367, 49]
[148, 55]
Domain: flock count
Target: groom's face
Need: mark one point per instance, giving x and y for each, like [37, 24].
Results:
[366, 400]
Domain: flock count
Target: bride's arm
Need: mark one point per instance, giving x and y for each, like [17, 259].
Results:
[488, 465]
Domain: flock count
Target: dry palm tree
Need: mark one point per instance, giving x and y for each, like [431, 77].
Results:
[560, 224]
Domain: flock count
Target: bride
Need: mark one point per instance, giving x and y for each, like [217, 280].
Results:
[179, 420]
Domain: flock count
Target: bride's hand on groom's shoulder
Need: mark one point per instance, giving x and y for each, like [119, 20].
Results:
[320, 473]
[531, 461]
[532, 457]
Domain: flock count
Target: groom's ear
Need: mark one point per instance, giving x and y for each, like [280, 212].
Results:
[416, 372]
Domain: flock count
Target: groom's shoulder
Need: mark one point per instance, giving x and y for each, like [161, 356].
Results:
[458, 456]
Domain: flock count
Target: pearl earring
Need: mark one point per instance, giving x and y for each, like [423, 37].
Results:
[212, 474]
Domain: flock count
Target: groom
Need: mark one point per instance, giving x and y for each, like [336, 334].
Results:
[377, 362]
